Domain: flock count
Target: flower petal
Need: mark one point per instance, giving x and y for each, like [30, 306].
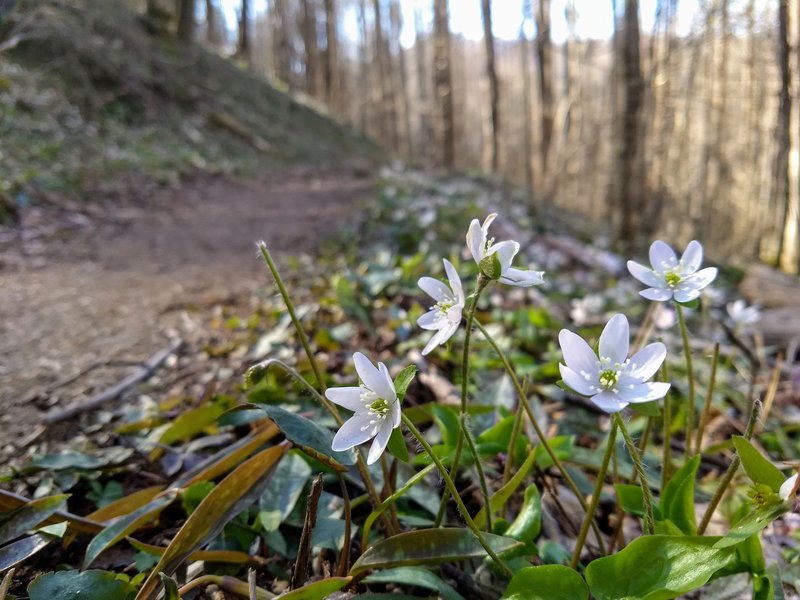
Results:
[656, 294]
[700, 279]
[438, 338]
[385, 372]
[691, 258]
[476, 240]
[454, 279]
[609, 401]
[372, 377]
[645, 275]
[647, 361]
[686, 295]
[380, 442]
[615, 339]
[578, 355]
[787, 487]
[356, 430]
[435, 289]
[522, 277]
[576, 382]
[348, 397]
[644, 392]
[662, 257]
[486, 223]
[394, 413]
[430, 320]
[506, 251]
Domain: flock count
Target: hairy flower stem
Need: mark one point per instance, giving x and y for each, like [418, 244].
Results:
[701, 425]
[725, 482]
[666, 434]
[448, 481]
[512, 443]
[523, 399]
[360, 462]
[637, 463]
[687, 351]
[598, 489]
[465, 433]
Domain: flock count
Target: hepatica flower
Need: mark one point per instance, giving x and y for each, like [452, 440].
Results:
[375, 407]
[481, 246]
[743, 316]
[611, 379]
[444, 317]
[671, 277]
[789, 488]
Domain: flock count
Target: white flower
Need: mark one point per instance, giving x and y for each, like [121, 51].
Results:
[375, 405]
[481, 246]
[670, 277]
[743, 316]
[612, 380]
[583, 309]
[664, 317]
[788, 488]
[444, 317]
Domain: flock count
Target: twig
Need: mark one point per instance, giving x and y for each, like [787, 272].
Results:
[142, 372]
[300, 573]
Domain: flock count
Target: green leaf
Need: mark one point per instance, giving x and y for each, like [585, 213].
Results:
[77, 460]
[317, 590]
[124, 526]
[751, 554]
[307, 435]
[657, 567]
[758, 468]
[170, 587]
[192, 422]
[752, 523]
[677, 498]
[648, 409]
[561, 445]
[547, 582]
[446, 420]
[415, 576]
[81, 585]
[528, 524]
[283, 491]
[25, 518]
[16, 552]
[230, 497]
[397, 445]
[691, 304]
[501, 496]
[193, 495]
[429, 547]
[403, 380]
[630, 498]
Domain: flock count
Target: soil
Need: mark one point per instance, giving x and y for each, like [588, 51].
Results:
[94, 299]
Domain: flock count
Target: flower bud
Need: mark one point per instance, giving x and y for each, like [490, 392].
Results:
[490, 266]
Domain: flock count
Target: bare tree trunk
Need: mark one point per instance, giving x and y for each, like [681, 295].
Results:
[280, 39]
[212, 32]
[443, 80]
[399, 79]
[364, 73]
[786, 163]
[243, 47]
[628, 168]
[186, 21]
[493, 124]
[544, 54]
[309, 29]
[527, 133]
[423, 104]
[333, 80]
[388, 112]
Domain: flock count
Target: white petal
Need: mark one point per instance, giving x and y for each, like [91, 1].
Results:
[435, 289]
[576, 382]
[521, 277]
[692, 257]
[476, 240]
[615, 339]
[657, 294]
[486, 223]
[385, 372]
[438, 338]
[373, 378]
[662, 257]
[453, 315]
[356, 430]
[455, 280]
[645, 275]
[506, 251]
[578, 355]
[787, 487]
[644, 392]
[609, 401]
[348, 397]
[647, 361]
[380, 441]
[686, 295]
[394, 414]
[430, 320]
[700, 279]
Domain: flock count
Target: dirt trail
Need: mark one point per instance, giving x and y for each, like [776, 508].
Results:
[107, 292]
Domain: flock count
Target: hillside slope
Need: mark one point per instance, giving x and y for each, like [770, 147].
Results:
[92, 99]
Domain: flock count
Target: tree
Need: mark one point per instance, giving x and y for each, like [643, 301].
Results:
[399, 80]
[544, 55]
[243, 47]
[443, 80]
[388, 110]
[186, 20]
[491, 76]
[332, 76]
[527, 133]
[212, 31]
[309, 29]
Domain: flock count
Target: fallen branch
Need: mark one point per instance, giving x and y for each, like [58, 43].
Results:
[142, 372]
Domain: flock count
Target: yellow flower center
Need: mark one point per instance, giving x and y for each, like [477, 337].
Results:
[609, 378]
[672, 278]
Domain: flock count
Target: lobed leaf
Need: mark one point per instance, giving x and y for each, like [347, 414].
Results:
[81, 585]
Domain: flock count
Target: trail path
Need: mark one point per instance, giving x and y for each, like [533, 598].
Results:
[107, 292]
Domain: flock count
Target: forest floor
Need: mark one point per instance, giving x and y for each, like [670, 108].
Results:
[93, 300]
